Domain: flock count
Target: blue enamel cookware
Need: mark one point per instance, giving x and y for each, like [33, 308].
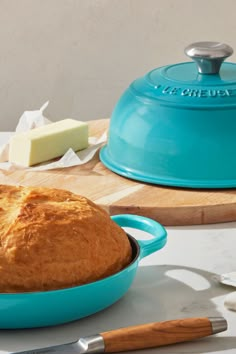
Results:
[176, 126]
[48, 308]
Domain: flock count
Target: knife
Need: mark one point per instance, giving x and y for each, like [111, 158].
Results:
[148, 335]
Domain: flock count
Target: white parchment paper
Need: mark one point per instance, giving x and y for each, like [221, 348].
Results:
[34, 119]
[228, 279]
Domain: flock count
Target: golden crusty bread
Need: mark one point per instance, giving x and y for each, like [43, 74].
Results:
[53, 239]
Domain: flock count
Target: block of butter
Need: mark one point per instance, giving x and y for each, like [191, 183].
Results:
[48, 142]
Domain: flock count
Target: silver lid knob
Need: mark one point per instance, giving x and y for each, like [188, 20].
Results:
[208, 55]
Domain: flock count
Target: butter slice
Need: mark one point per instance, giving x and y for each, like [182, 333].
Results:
[48, 142]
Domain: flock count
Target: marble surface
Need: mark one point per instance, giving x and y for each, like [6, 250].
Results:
[176, 282]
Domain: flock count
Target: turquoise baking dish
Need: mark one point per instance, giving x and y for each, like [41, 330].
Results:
[48, 308]
[176, 125]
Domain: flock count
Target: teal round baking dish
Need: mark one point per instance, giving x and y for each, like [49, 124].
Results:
[176, 125]
[49, 308]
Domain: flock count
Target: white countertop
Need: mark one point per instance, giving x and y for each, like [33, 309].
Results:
[175, 282]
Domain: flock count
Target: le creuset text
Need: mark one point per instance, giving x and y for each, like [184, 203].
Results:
[204, 93]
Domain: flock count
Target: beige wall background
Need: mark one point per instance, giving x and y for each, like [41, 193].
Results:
[81, 54]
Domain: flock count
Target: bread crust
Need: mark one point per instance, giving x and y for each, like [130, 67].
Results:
[53, 239]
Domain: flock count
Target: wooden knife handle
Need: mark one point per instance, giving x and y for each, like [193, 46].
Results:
[156, 334]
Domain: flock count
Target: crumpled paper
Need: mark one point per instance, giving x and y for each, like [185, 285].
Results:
[34, 119]
[227, 279]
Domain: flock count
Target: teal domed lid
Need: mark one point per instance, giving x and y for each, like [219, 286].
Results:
[206, 82]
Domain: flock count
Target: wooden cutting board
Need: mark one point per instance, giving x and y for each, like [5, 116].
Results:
[118, 195]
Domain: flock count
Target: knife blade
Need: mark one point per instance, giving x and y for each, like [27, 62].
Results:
[144, 336]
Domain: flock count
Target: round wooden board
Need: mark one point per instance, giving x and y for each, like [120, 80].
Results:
[118, 195]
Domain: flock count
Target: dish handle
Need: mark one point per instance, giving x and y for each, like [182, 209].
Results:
[144, 224]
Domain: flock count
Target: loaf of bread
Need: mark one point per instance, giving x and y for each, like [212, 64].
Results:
[53, 239]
